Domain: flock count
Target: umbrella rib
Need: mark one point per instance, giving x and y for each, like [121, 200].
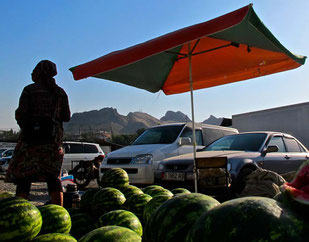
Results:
[196, 43]
[176, 53]
[216, 48]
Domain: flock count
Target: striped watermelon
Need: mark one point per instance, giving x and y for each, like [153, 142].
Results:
[115, 177]
[107, 199]
[4, 194]
[178, 191]
[152, 187]
[247, 219]
[159, 191]
[174, 218]
[56, 219]
[87, 199]
[57, 237]
[19, 219]
[111, 233]
[82, 224]
[136, 204]
[122, 218]
[153, 204]
[129, 190]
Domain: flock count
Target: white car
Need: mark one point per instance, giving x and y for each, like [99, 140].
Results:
[140, 160]
[77, 151]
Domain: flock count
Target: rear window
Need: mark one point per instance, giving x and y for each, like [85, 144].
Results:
[76, 148]
[292, 145]
[90, 148]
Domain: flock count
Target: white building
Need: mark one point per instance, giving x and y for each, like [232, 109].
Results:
[292, 119]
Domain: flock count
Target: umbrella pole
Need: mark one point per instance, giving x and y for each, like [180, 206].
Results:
[193, 121]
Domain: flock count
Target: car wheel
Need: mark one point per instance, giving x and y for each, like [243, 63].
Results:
[241, 179]
[80, 176]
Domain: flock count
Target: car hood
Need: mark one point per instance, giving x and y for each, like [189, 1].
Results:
[188, 158]
[133, 150]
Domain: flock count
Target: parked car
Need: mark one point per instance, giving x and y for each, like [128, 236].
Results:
[140, 160]
[278, 152]
[4, 164]
[7, 152]
[2, 150]
[74, 152]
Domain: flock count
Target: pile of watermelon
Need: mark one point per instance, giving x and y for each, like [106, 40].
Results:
[119, 211]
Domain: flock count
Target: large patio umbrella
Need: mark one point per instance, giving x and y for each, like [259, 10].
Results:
[234, 47]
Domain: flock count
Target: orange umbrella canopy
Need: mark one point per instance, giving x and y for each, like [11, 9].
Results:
[234, 47]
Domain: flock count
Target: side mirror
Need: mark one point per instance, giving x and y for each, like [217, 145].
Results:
[185, 141]
[271, 148]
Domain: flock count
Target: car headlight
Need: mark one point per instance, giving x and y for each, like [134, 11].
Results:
[160, 167]
[229, 166]
[142, 159]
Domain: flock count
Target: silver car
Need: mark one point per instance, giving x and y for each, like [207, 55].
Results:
[244, 152]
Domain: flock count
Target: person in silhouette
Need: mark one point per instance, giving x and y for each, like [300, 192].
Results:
[38, 155]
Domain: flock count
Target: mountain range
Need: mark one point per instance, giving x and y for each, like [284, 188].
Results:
[108, 119]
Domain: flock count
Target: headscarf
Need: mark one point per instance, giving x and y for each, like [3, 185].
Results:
[46, 69]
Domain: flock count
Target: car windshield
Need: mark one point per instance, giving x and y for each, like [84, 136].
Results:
[159, 135]
[243, 142]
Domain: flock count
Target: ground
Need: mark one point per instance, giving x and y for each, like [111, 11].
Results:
[38, 194]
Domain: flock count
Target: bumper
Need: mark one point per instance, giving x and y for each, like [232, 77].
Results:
[206, 183]
[138, 174]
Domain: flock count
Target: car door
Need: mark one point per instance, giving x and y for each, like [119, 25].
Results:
[187, 132]
[296, 154]
[279, 161]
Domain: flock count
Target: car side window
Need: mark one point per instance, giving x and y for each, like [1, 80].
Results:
[90, 149]
[76, 148]
[292, 145]
[198, 133]
[277, 140]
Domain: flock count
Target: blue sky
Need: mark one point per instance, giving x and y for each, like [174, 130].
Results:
[71, 32]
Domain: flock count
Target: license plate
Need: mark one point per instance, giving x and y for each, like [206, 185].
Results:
[174, 176]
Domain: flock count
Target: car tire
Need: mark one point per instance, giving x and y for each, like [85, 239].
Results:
[241, 179]
[80, 176]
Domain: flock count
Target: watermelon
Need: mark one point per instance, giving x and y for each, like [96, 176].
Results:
[122, 218]
[174, 218]
[295, 195]
[153, 204]
[152, 187]
[298, 188]
[177, 191]
[129, 190]
[4, 194]
[115, 177]
[87, 199]
[111, 234]
[82, 224]
[247, 219]
[159, 191]
[73, 211]
[107, 199]
[19, 219]
[56, 219]
[136, 204]
[55, 237]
